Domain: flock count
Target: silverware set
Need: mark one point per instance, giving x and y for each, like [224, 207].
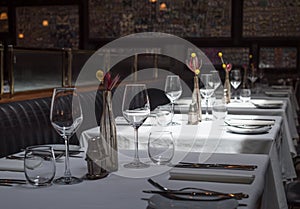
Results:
[11, 182]
[193, 194]
[215, 166]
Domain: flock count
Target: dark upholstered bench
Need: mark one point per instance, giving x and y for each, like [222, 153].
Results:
[25, 123]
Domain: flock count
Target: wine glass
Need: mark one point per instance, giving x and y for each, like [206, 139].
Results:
[235, 80]
[66, 117]
[136, 109]
[173, 91]
[252, 76]
[208, 90]
[215, 79]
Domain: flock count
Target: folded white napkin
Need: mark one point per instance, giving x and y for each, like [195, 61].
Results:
[210, 175]
[11, 165]
[249, 122]
[122, 121]
[277, 93]
[158, 202]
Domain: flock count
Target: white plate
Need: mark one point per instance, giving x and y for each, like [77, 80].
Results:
[158, 202]
[249, 122]
[243, 130]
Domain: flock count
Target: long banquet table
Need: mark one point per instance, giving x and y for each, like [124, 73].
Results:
[213, 137]
[117, 191]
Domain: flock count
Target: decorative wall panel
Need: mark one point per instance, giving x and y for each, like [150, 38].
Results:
[47, 26]
[271, 18]
[280, 57]
[238, 56]
[184, 18]
[3, 20]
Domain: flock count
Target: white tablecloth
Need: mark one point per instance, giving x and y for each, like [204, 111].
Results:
[290, 130]
[121, 192]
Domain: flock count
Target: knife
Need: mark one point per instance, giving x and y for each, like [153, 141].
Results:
[215, 166]
[12, 181]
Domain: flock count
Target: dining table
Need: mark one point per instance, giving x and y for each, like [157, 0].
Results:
[125, 188]
[213, 136]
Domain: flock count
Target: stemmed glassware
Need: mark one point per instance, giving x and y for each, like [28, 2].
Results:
[215, 79]
[173, 91]
[66, 117]
[136, 109]
[208, 90]
[235, 80]
[252, 76]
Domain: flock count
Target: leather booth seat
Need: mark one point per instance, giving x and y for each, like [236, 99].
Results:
[26, 123]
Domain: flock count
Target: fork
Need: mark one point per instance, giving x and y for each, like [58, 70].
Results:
[206, 191]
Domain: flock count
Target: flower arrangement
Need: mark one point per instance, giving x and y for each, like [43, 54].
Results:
[193, 64]
[227, 89]
[107, 80]
[226, 67]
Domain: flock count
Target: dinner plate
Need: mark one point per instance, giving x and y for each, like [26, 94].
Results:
[268, 104]
[242, 130]
[158, 202]
[249, 122]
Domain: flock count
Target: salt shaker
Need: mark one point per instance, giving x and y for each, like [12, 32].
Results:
[193, 114]
[96, 158]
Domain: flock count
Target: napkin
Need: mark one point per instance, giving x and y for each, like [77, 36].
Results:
[249, 122]
[277, 93]
[11, 165]
[212, 176]
[158, 202]
[122, 121]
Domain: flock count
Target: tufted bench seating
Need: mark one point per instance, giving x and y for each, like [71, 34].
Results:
[25, 123]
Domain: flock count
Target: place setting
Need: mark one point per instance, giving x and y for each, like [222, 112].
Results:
[267, 104]
[191, 197]
[249, 126]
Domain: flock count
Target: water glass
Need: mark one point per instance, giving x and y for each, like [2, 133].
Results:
[164, 115]
[245, 95]
[161, 147]
[219, 109]
[39, 165]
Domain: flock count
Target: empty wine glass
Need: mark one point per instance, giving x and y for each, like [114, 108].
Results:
[252, 76]
[216, 79]
[136, 109]
[173, 91]
[66, 117]
[207, 91]
[235, 80]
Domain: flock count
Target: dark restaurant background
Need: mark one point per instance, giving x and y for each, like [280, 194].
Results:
[269, 30]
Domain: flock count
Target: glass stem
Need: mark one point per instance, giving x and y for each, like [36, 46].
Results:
[67, 173]
[206, 114]
[172, 113]
[136, 144]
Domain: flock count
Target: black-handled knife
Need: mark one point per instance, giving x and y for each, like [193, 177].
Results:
[215, 166]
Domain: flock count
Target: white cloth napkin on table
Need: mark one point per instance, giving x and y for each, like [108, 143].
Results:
[11, 165]
[209, 175]
[122, 121]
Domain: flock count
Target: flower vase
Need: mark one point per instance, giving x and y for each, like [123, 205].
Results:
[109, 133]
[196, 98]
[227, 90]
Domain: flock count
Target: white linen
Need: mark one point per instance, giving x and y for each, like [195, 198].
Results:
[121, 192]
[211, 175]
[11, 165]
